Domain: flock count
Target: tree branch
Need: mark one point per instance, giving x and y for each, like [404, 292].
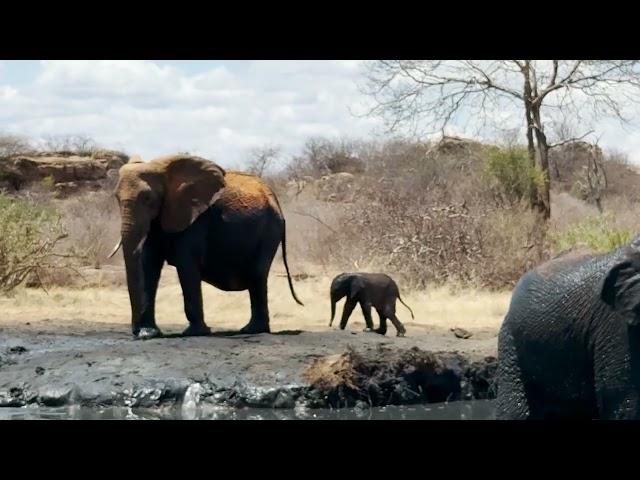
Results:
[570, 140]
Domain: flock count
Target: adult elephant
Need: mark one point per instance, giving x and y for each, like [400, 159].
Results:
[220, 227]
[569, 346]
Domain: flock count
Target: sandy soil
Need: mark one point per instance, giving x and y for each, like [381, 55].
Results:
[440, 307]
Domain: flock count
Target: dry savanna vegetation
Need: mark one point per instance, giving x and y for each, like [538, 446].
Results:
[451, 221]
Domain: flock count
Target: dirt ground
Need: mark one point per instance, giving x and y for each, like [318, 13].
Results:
[69, 346]
[109, 303]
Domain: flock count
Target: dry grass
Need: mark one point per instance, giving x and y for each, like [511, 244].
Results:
[333, 371]
[439, 307]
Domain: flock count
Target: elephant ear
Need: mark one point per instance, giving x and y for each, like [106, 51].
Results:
[621, 289]
[193, 185]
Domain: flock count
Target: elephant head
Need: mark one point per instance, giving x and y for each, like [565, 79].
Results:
[343, 285]
[620, 288]
[176, 190]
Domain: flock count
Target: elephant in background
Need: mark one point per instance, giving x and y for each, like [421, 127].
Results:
[219, 227]
[569, 346]
[375, 290]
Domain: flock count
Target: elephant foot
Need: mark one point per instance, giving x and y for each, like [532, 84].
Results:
[368, 330]
[401, 333]
[253, 328]
[197, 331]
[380, 331]
[147, 333]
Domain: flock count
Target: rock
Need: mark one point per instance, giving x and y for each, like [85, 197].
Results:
[19, 349]
[40, 371]
[54, 396]
[66, 170]
[285, 399]
[461, 333]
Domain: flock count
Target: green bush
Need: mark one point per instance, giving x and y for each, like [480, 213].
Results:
[511, 175]
[598, 232]
[28, 237]
[48, 182]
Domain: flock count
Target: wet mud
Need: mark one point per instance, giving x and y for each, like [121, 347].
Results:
[57, 364]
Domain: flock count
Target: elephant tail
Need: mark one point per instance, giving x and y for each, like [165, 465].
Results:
[286, 266]
[284, 248]
[406, 306]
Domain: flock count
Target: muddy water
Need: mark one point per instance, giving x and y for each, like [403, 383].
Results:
[474, 410]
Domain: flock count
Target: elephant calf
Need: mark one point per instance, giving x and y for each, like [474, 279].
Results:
[368, 289]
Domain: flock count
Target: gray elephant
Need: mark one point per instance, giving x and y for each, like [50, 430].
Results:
[219, 227]
[569, 346]
[375, 290]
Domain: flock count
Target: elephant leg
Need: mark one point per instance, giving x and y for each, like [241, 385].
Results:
[382, 328]
[390, 313]
[349, 305]
[152, 263]
[398, 324]
[191, 283]
[512, 402]
[258, 294]
[366, 312]
[259, 322]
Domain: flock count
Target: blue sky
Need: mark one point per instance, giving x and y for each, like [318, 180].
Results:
[217, 109]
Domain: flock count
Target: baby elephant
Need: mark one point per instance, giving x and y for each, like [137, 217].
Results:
[368, 289]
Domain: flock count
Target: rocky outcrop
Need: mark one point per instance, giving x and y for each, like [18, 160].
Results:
[64, 172]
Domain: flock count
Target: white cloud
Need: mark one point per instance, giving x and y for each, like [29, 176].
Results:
[152, 109]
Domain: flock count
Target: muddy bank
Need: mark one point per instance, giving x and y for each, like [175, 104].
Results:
[57, 364]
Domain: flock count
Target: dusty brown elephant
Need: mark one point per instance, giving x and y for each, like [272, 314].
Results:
[220, 227]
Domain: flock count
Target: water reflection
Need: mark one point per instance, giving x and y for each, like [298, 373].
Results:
[474, 410]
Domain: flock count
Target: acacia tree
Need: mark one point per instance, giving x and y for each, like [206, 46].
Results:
[432, 94]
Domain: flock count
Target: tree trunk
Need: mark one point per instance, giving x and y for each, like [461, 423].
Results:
[544, 196]
[539, 199]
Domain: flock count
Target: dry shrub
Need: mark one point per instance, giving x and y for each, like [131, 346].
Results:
[30, 238]
[513, 242]
[13, 145]
[321, 156]
[426, 243]
[333, 371]
[424, 213]
[93, 222]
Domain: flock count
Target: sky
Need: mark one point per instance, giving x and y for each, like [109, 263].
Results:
[216, 109]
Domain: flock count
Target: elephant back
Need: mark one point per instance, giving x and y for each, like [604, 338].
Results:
[247, 193]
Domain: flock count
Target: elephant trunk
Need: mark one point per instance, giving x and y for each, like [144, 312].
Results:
[333, 310]
[336, 295]
[133, 237]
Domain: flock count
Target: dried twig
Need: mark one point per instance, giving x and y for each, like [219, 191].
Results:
[315, 218]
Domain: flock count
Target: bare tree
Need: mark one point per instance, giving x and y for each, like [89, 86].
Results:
[433, 93]
[261, 159]
[563, 132]
[77, 144]
[13, 145]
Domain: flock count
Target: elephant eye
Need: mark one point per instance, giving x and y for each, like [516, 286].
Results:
[147, 197]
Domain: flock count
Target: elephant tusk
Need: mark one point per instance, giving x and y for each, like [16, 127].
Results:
[117, 247]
